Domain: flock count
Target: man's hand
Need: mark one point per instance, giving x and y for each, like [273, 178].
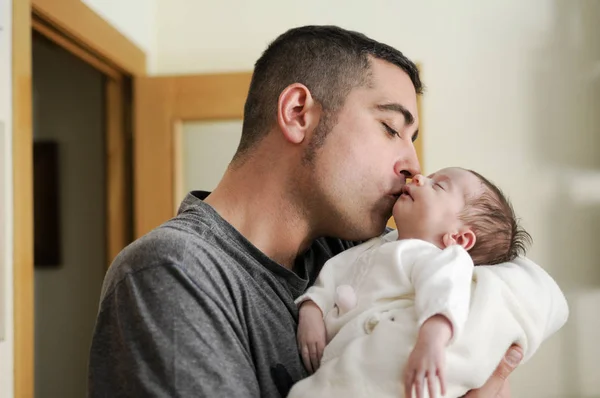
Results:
[311, 335]
[497, 385]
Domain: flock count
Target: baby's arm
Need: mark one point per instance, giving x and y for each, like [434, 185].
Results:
[442, 283]
[427, 360]
[311, 336]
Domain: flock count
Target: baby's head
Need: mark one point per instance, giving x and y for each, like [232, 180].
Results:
[458, 206]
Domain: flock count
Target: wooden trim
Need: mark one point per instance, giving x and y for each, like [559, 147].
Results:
[22, 133]
[152, 151]
[78, 29]
[74, 49]
[178, 163]
[77, 21]
[418, 143]
[117, 198]
[216, 96]
[161, 103]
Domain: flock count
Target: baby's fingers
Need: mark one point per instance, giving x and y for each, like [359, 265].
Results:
[314, 357]
[419, 384]
[409, 378]
[442, 377]
[430, 383]
[306, 358]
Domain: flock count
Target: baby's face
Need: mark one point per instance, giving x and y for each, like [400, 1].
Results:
[430, 206]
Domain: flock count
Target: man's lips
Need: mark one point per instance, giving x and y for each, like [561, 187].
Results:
[406, 192]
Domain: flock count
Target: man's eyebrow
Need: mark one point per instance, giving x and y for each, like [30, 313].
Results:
[395, 107]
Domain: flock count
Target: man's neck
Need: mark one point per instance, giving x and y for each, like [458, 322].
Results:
[256, 201]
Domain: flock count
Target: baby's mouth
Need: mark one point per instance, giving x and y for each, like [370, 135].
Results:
[406, 192]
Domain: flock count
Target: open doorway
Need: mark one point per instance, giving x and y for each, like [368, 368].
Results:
[69, 215]
[72, 26]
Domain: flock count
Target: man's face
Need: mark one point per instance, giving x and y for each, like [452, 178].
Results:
[361, 168]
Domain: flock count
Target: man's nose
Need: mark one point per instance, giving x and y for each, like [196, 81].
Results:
[408, 164]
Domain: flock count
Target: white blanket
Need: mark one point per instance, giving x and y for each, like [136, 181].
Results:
[513, 302]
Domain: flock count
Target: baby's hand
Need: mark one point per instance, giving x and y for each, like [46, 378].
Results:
[311, 335]
[427, 360]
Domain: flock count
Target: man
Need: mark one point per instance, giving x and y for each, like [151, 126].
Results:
[204, 304]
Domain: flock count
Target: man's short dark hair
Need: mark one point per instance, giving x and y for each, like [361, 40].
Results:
[329, 60]
[499, 237]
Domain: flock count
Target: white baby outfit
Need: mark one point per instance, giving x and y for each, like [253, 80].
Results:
[376, 295]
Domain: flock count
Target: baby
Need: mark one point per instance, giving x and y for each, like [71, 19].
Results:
[446, 223]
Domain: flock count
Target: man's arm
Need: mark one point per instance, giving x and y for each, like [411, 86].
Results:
[159, 333]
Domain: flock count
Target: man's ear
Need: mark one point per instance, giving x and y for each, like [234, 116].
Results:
[297, 113]
[465, 237]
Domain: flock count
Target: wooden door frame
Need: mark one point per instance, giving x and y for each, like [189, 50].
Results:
[162, 105]
[76, 28]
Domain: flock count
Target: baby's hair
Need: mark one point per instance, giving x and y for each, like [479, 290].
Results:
[499, 237]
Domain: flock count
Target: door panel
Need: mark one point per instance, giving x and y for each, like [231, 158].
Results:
[163, 108]
[203, 153]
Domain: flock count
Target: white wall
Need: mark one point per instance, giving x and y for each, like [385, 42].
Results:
[135, 19]
[508, 95]
[206, 149]
[6, 222]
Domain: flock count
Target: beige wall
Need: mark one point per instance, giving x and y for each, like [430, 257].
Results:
[135, 19]
[6, 288]
[206, 149]
[68, 107]
[508, 94]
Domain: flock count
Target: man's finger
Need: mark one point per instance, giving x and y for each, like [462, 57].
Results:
[494, 385]
[505, 391]
[511, 360]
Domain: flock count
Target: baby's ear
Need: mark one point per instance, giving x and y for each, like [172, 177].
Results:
[466, 238]
[448, 240]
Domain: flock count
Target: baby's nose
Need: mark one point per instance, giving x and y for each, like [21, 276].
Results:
[419, 180]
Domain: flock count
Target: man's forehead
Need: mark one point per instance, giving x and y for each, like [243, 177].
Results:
[391, 85]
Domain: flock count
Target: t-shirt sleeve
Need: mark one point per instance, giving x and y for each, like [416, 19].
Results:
[158, 333]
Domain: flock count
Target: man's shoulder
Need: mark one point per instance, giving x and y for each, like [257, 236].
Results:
[172, 246]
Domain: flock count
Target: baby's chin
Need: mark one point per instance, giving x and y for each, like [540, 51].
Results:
[405, 233]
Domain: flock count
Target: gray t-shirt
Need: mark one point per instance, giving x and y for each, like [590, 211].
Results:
[193, 309]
